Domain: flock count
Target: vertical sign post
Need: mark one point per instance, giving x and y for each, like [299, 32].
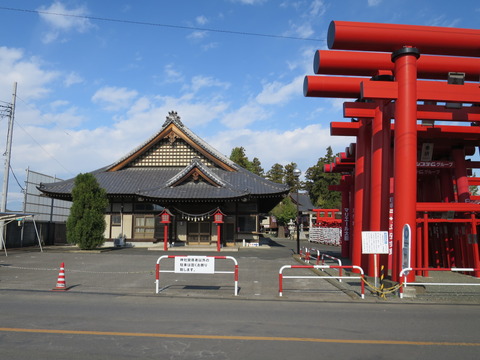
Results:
[406, 248]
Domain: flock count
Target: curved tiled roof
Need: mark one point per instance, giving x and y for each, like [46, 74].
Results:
[175, 183]
[174, 119]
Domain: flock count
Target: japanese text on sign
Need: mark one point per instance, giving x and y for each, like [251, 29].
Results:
[195, 264]
[374, 242]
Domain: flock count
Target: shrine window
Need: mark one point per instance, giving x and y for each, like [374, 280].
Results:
[144, 227]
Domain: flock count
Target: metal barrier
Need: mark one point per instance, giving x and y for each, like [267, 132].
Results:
[405, 272]
[188, 264]
[281, 276]
[322, 256]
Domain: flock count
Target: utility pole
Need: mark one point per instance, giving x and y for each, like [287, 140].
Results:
[7, 154]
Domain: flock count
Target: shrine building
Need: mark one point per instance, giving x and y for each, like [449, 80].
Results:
[177, 172]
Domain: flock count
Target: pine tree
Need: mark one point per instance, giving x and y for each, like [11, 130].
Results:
[317, 183]
[256, 167]
[238, 157]
[276, 173]
[86, 223]
[290, 179]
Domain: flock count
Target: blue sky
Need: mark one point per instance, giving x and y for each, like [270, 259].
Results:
[93, 86]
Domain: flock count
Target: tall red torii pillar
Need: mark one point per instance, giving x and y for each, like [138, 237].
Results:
[400, 40]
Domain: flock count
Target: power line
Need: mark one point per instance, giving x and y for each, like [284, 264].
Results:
[41, 147]
[144, 23]
[16, 179]
[36, 142]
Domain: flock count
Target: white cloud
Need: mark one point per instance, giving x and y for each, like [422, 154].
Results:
[301, 145]
[374, 2]
[172, 75]
[61, 19]
[304, 30]
[201, 20]
[196, 35]
[245, 115]
[114, 98]
[250, 2]
[200, 82]
[443, 21]
[317, 8]
[32, 80]
[72, 78]
[66, 119]
[279, 93]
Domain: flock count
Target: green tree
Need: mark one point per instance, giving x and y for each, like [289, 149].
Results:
[285, 211]
[256, 167]
[317, 183]
[290, 179]
[238, 157]
[86, 223]
[276, 173]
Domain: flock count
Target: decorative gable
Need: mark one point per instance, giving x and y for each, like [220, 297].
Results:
[173, 146]
[195, 172]
[170, 151]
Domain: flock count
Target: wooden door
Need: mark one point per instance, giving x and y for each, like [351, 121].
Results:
[198, 233]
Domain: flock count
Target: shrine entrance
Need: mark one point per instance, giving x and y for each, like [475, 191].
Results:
[198, 233]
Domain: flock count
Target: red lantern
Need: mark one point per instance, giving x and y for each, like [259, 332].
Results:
[218, 217]
[165, 217]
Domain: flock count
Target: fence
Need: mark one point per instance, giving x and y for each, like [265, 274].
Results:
[321, 256]
[281, 276]
[405, 272]
[187, 264]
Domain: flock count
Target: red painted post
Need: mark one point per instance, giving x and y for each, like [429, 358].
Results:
[405, 154]
[476, 255]
[376, 179]
[368, 260]
[425, 243]
[446, 187]
[329, 86]
[349, 35]
[359, 196]
[419, 260]
[358, 63]
[165, 237]
[280, 284]
[386, 174]
[463, 189]
[218, 237]
[346, 236]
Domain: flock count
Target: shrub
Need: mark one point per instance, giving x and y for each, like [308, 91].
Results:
[86, 223]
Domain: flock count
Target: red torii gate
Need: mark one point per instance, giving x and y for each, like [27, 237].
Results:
[394, 77]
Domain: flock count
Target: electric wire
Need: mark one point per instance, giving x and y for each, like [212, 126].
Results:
[172, 26]
[41, 147]
[16, 179]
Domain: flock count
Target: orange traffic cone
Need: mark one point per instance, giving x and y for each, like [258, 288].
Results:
[61, 284]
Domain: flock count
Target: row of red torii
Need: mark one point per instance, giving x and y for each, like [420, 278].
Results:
[411, 171]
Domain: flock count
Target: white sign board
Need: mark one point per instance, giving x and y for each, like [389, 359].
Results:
[374, 242]
[195, 264]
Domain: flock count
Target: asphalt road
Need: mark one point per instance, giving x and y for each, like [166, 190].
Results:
[111, 311]
[47, 325]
